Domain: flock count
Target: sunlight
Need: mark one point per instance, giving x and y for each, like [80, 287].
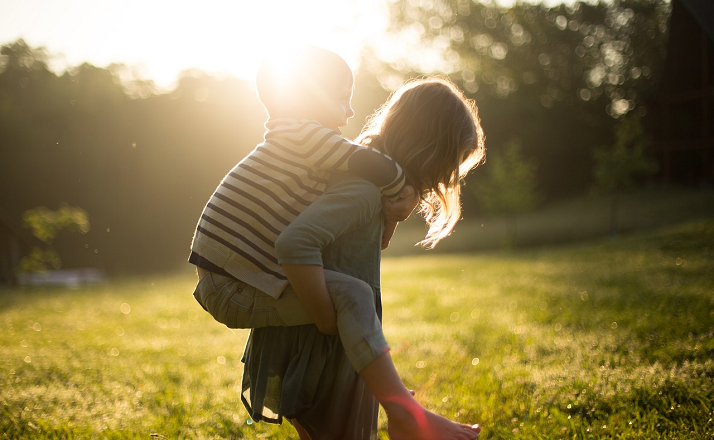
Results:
[161, 38]
[229, 37]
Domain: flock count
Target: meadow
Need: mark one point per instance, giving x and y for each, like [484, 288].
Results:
[604, 339]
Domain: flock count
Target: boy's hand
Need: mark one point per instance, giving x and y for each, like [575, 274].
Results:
[400, 210]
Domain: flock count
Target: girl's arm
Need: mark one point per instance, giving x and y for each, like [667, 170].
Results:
[345, 206]
[308, 281]
[397, 211]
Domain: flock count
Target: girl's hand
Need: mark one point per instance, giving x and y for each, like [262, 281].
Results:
[389, 228]
[397, 211]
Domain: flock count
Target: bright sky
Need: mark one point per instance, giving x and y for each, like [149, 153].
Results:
[163, 37]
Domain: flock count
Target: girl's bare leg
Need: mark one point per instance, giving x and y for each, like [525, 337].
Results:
[407, 419]
[300, 430]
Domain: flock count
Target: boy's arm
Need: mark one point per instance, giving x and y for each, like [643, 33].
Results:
[379, 169]
[308, 280]
[324, 149]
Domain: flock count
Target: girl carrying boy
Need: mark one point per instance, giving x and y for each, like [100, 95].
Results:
[237, 295]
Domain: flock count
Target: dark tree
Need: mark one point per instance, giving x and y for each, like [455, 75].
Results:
[558, 78]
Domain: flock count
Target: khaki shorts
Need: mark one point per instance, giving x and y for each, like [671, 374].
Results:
[239, 305]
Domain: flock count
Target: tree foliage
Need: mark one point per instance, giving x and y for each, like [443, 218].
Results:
[510, 187]
[142, 164]
[558, 78]
[603, 52]
[617, 167]
[45, 224]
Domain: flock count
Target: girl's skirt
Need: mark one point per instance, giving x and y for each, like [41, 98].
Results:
[300, 373]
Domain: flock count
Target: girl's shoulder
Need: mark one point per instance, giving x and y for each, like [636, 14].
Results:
[361, 192]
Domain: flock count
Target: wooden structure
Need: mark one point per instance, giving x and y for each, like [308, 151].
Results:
[682, 109]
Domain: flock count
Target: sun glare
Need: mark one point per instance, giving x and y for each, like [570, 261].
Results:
[263, 28]
[161, 38]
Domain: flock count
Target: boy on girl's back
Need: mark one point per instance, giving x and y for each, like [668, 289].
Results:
[237, 250]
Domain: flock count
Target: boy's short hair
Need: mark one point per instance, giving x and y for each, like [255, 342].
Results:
[307, 79]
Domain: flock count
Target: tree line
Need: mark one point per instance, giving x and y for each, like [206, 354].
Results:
[141, 168]
[142, 163]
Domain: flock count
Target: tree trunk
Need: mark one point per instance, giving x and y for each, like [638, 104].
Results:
[509, 241]
[614, 212]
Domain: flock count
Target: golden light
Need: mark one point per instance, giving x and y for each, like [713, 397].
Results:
[160, 38]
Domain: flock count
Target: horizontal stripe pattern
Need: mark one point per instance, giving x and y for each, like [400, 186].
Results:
[266, 191]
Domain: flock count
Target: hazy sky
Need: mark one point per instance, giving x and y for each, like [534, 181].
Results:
[162, 37]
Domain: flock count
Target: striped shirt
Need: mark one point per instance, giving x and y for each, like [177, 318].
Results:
[270, 187]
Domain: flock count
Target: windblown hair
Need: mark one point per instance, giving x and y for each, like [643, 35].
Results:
[433, 131]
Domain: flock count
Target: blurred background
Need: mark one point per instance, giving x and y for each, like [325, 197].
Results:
[120, 118]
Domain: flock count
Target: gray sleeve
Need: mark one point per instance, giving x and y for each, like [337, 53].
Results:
[345, 206]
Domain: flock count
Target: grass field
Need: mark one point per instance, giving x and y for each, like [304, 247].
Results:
[564, 221]
[605, 339]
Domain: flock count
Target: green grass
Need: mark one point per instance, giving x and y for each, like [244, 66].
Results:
[606, 339]
[564, 221]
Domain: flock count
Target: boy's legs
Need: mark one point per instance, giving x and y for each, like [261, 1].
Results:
[359, 327]
[239, 305]
[231, 302]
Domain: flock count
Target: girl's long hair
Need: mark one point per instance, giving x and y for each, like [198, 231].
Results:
[433, 131]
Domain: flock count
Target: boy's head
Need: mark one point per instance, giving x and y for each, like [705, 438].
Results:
[313, 83]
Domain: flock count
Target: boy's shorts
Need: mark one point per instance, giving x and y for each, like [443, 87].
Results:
[239, 305]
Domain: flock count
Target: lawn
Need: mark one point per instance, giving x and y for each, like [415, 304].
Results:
[602, 339]
[563, 221]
